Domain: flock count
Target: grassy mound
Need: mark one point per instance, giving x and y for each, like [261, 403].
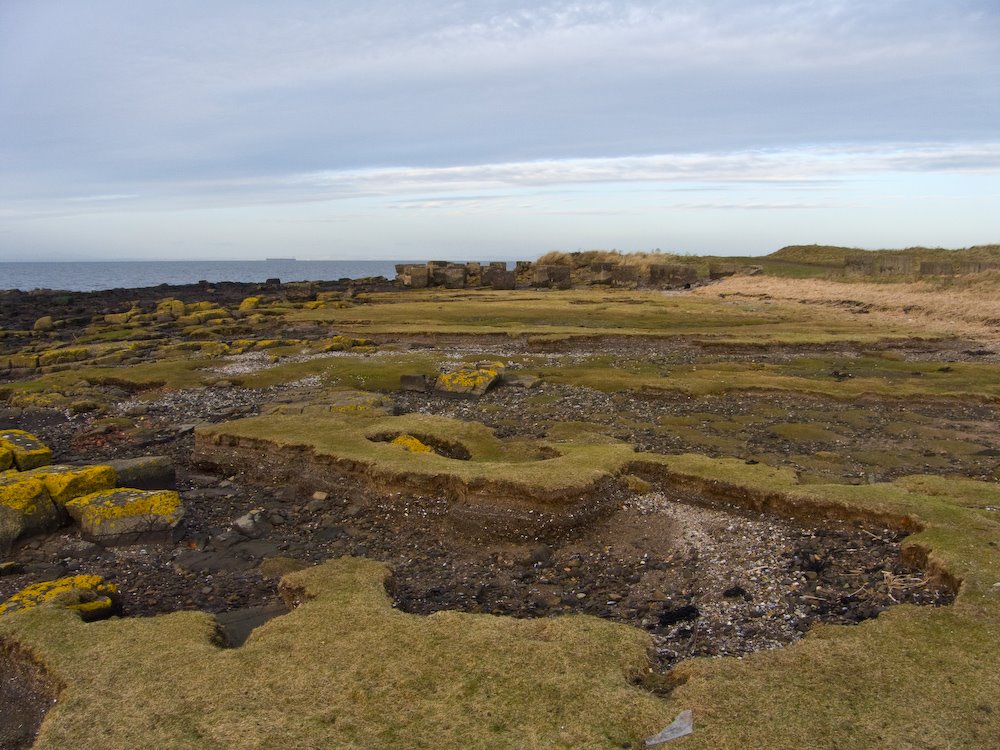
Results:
[363, 443]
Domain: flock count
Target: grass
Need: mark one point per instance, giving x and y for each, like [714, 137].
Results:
[606, 313]
[343, 670]
[813, 375]
[495, 468]
[970, 306]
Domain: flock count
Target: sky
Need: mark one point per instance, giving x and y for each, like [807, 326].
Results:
[392, 129]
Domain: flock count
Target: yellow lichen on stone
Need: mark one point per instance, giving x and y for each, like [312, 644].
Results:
[124, 515]
[29, 452]
[67, 482]
[6, 458]
[23, 361]
[90, 595]
[62, 356]
[22, 493]
[120, 318]
[412, 444]
[475, 380]
[25, 508]
[170, 307]
[44, 323]
[344, 343]
[250, 303]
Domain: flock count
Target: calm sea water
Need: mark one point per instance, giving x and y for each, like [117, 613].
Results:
[91, 276]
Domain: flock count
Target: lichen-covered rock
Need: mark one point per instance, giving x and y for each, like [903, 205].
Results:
[169, 309]
[90, 595]
[25, 507]
[470, 381]
[412, 444]
[344, 343]
[250, 303]
[44, 323]
[62, 356]
[66, 482]
[6, 458]
[29, 452]
[126, 515]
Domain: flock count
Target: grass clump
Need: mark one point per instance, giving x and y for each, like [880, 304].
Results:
[343, 670]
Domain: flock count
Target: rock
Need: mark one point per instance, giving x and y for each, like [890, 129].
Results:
[522, 380]
[416, 383]
[6, 458]
[10, 568]
[89, 595]
[145, 472]
[247, 524]
[127, 515]
[66, 482]
[470, 381]
[276, 567]
[320, 496]
[29, 452]
[25, 508]
[412, 444]
[45, 323]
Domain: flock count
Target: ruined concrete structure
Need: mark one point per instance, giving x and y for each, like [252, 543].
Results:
[525, 274]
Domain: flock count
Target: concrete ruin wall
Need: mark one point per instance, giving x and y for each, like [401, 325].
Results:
[525, 274]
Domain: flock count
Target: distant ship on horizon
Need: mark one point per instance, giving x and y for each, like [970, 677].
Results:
[272, 260]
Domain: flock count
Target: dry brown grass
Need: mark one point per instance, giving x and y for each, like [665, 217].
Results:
[963, 306]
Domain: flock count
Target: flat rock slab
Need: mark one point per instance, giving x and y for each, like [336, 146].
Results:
[127, 515]
[28, 451]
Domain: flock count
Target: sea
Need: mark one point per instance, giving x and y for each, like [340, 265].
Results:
[89, 276]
